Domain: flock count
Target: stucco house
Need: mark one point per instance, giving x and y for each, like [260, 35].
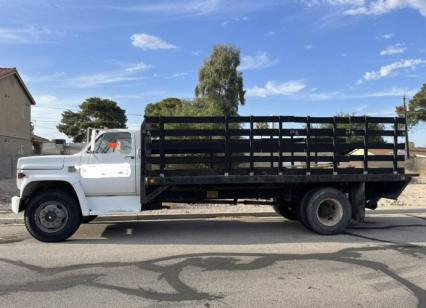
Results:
[15, 120]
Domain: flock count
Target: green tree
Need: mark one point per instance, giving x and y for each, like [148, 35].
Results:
[167, 107]
[416, 108]
[94, 112]
[261, 125]
[219, 81]
[356, 126]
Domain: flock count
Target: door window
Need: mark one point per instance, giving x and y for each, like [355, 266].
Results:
[115, 142]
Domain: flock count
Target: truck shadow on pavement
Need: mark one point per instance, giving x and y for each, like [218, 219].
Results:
[246, 232]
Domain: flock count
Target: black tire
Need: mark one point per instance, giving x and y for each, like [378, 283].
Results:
[37, 222]
[327, 211]
[301, 212]
[285, 210]
[88, 219]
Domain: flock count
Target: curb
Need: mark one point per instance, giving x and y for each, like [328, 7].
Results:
[20, 220]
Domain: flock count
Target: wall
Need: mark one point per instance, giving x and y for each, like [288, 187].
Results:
[420, 164]
[8, 165]
[15, 118]
[15, 125]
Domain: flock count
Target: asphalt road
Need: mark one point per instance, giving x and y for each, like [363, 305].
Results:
[249, 262]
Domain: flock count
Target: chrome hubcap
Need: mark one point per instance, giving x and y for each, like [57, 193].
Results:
[51, 216]
[330, 212]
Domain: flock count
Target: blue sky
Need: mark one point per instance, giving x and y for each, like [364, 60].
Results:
[299, 57]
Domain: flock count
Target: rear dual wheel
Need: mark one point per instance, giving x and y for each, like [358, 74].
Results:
[326, 211]
[286, 210]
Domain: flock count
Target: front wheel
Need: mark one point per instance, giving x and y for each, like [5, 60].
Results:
[52, 216]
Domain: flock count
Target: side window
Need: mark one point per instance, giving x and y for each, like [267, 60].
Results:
[119, 142]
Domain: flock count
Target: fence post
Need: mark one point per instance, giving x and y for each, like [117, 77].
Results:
[395, 146]
[227, 160]
[365, 145]
[251, 146]
[308, 145]
[334, 146]
[162, 165]
[280, 151]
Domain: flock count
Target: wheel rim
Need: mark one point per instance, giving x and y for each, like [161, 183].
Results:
[51, 216]
[330, 212]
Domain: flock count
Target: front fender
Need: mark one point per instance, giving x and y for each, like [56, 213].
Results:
[30, 183]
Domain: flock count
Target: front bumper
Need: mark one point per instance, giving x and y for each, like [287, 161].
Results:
[15, 204]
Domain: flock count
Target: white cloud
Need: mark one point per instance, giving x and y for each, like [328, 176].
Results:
[310, 3]
[393, 50]
[146, 41]
[203, 7]
[138, 67]
[45, 100]
[387, 36]
[345, 95]
[272, 88]
[308, 47]
[42, 78]
[235, 19]
[178, 76]
[128, 73]
[370, 7]
[198, 8]
[379, 7]
[392, 92]
[29, 35]
[259, 61]
[270, 33]
[387, 70]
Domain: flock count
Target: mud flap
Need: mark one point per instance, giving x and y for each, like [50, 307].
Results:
[357, 198]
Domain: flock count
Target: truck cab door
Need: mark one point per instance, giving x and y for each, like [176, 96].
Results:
[110, 168]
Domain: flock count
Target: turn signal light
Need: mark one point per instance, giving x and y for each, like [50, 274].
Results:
[21, 175]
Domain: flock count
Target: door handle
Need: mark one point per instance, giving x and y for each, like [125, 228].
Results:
[129, 156]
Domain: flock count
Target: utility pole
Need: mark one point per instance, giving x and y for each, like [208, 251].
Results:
[407, 143]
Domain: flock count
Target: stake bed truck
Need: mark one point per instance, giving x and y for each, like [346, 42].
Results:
[321, 171]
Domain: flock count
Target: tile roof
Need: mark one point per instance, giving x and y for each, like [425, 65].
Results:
[6, 71]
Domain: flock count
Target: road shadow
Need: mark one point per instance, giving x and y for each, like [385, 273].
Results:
[169, 269]
[247, 232]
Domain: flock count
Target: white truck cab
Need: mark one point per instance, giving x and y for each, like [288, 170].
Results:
[59, 192]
